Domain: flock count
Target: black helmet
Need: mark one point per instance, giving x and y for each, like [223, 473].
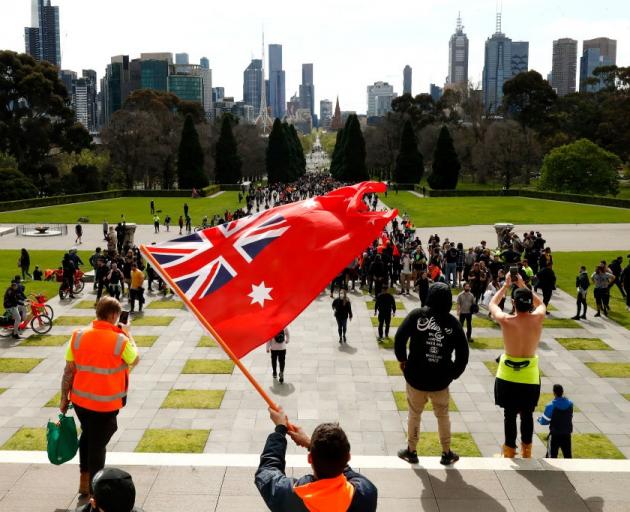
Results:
[114, 490]
[440, 298]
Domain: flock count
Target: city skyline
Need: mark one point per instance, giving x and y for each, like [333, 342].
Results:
[345, 65]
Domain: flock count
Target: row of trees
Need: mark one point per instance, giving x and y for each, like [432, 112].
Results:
[348, 158]
[285, 161]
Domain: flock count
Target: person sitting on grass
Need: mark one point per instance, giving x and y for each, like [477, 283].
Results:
[333, 486]
[559, 416]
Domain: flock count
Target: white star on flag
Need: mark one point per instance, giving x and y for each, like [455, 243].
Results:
[310, 203]
[260, 294]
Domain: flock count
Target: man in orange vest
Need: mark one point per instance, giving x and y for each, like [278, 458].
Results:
[95, 380]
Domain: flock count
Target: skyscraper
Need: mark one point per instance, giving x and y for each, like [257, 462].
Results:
[325, 113]
[596, 53]
[503, 60]
[307, 90]
[276, 81]
[181, 58]
[564, 67]
[89, 75]
[204, 63]
[252, 84]
[379, 99]
[42, 40]
[407, 80]
[68, 77]
[458, 56]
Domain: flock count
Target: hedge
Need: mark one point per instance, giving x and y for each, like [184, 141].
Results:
[233, 187]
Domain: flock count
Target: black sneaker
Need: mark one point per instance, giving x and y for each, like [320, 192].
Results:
[449, 458]
[344, 339]
[409, 456]
[583, 317]
[597, 314]
[576, 317]
[275, 376]
[340, 340]
[281, 379]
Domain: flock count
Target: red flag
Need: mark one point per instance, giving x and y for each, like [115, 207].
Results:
[250, 277]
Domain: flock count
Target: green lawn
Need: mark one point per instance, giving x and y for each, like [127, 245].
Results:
[458, 211]
[483, 321]
[396, 321]
[18, 364]
[2, 390]
[207, 341]
[370, 305]
[72, 320]
[392, 368]
[461, 442]
[31, 439]
[611, 370]
[566, 266]
[158, 440]
[400, 397]
[145, 341]
[627, 396]
[159, 321]
[166, 304]
[135, 209]
[487, 343]
[545, 398]
[84, 304]
[43, 259]
[561, 323]
[40, 340]
[200, 366]
[583, 344]
[590, 446]
[387, 343]
[193, 399]
[54, 401]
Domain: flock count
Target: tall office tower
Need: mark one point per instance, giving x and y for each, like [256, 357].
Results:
[458, 56]
[80, 102]
[218, 93]
[68, 77]
[42, 40]
[154, 74]
[206, 75]
[307, 90]
[596, 53]
[503, 60]
[204, 63]
[276, 81]
[252, 84]
[181, 58]
[115, 86]
[407, 80]
[89, 75]
[564, 67]
[325, 114]
[436, 92]
[379, 99]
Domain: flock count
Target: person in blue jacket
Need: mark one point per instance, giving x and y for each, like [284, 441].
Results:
[333, 486]
[559, 416]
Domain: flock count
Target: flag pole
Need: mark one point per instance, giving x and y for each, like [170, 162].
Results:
[211, 330]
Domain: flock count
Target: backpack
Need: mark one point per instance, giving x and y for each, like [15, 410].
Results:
[279, 337]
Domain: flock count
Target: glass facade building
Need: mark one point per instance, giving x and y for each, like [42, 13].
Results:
[154, 74]
[564, 67]
[598, 52]
[458, 56]
[277, 94]
[186, 87]
[407, 80]
[252, 84]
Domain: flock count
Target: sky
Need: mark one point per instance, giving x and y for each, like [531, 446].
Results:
[351, 43]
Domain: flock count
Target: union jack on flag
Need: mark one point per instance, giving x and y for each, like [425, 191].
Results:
[203, 262]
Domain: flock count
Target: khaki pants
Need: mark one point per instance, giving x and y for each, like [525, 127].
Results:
[417, 400]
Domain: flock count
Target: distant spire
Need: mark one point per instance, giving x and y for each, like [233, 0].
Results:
[460, 27]
[263, 120]
[499, 14]
[336, 120]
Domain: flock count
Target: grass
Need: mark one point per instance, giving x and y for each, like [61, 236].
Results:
[145, 341]
[387, 343]
[583, 344]
[166, 304]
[626, 396]
[590, 446]
[42, 340]
[84, 304]
[43, 259]
[455, 211]
[461, 442]
[72, 320]
[201, 366]
[493, 365]
[396, 321]
[561, 323]
[54, 401]
[545, 398]
[566, 266]
[193, 399]
[2, 390]
[483, 321]
[136, 209]
[18, 364]
[30, 439]
[611, 370]
[400, 397]
[487, 343]
[392, 368]
[157, 440]
[370, 305]
[207, 341]
[159, 321]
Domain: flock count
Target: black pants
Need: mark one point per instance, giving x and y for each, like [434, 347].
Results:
[602, 298]
[278, 356]
[509, 425]
[136, 294]
[97, 428]
[467, 317]
[383, 319]
[581, 303]
[342, 326]
[546, 293]
[559, 442]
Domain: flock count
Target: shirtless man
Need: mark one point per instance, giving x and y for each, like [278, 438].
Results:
[517, 383]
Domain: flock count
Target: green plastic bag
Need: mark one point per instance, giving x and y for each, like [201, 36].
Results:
[62, 440]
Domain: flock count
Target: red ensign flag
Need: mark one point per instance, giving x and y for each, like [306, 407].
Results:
[251, 277]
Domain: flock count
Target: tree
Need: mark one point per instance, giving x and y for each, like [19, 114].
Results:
[581, 167]
[227, 161]
[337, 155]
[16, 185]
[353, 169]
[190, 158]
[529, 100]
[446, 164]
[278, 158]
[409, 164]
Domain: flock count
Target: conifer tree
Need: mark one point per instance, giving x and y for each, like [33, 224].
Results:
[278, 157]
[409, 164]
[227, 162]
[337, 156]
[190, 171]
[353, 168]
[446, 164]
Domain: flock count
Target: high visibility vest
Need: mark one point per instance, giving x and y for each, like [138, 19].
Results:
[101, 380]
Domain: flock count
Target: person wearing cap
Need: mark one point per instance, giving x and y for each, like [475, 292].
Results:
[517, 383]
[114, 491]
[95, 380]
[428, 366]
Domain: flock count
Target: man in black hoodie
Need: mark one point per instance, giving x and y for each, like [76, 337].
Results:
[429, 367]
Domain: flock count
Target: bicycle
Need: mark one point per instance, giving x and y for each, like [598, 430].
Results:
[39, 321]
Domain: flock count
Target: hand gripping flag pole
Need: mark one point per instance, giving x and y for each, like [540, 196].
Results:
[240, 279]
